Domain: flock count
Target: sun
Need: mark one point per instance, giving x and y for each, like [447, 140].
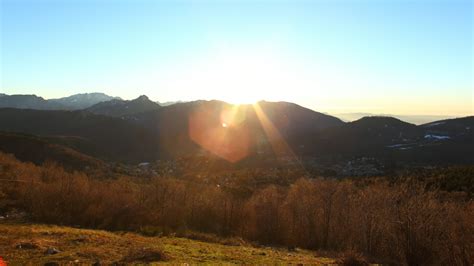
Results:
[237, 75]
[242, 77]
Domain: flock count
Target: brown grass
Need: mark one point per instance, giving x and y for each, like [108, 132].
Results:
[90, 246]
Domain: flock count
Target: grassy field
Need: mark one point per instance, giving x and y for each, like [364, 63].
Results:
[39, 244]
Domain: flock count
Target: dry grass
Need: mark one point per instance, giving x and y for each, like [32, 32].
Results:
[90, 246]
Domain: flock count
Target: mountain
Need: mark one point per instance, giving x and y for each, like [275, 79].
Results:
[2, 94]
[381, 129]
[445, 141]
[38, 150]
[414, 119]
[140, 130]
[177, 130]
[388, 138]
[367, 135]
[169, 103]
[451, 128]
[288, 118]
[73, 102]
[29, 102]
[119, 108]
[248, 129]
[100, 136]
[293, 119]
[83, 100]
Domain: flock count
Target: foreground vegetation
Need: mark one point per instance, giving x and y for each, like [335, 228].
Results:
[39, 244]
[408, 222]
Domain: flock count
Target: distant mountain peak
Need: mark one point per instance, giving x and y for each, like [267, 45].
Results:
[91, 95]
[379, 118]
[142, 98]
[119, 107]
[382, 121]
[84, 100]
[169, 103]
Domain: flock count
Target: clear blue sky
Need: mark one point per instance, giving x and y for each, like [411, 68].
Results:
[402, 57]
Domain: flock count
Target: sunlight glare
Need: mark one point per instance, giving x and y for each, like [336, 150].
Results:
[242, 76]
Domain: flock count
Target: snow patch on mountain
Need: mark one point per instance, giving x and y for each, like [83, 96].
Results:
[436, 137]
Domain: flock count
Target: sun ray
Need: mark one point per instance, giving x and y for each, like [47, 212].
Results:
[279, 145]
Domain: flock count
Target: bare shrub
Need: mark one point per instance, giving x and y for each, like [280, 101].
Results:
[404, 222]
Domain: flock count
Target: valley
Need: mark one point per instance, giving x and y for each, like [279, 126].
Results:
[209, 182]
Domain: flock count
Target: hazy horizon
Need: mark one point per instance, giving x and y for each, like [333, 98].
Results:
[391, 57]
[345, 116]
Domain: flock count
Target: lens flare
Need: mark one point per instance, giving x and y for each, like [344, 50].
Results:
[216, 129]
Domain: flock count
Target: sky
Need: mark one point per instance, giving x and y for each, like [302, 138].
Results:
[376, 56]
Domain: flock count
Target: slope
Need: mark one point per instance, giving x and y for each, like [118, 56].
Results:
[99, 136]
[38, 150]
[95, 246]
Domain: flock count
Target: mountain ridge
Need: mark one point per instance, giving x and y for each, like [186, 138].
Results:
[119, 108]
[180, 129]
[84, 100]
[68, 103]
[72, 102]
